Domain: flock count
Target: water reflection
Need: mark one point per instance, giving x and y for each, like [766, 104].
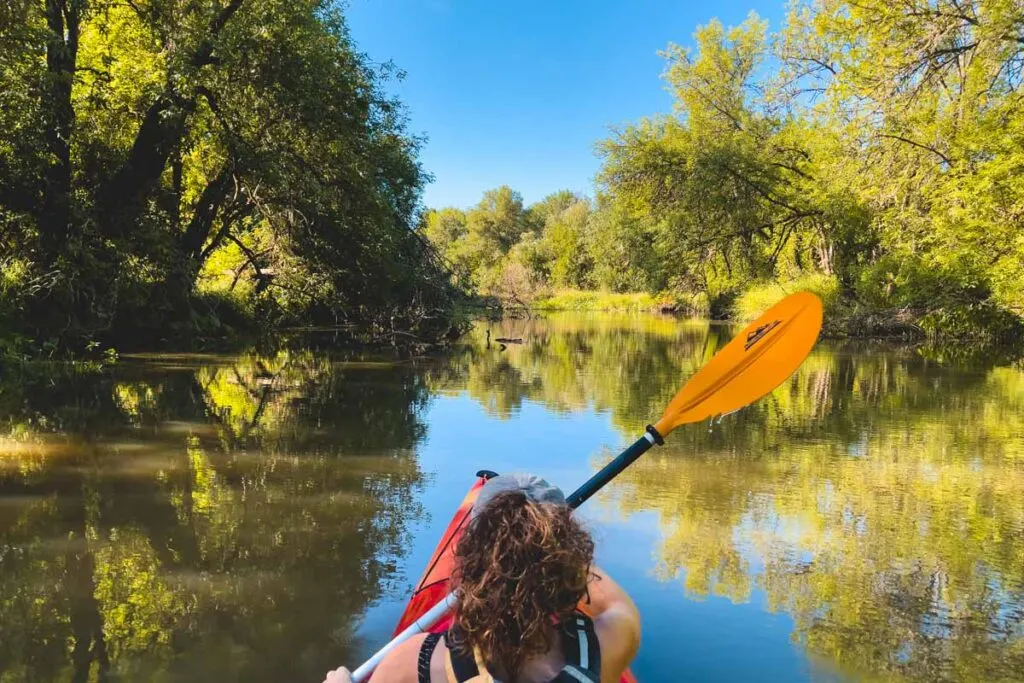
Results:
[212, 518]
[876, 497]
[628, 365]
[198, 520]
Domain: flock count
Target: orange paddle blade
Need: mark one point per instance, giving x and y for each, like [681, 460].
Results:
[756, 361]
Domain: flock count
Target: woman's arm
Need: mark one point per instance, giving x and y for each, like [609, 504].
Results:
[617, 623]
[398, 667]
[400, 664]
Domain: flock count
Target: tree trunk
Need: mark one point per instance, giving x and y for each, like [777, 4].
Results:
[826, 253]
[177, 182]
[63, 18]
[123, 198]
[206, 209]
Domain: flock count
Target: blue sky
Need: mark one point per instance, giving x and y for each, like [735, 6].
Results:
[518, 93]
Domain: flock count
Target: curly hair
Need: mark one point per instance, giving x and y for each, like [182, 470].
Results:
[520, 567]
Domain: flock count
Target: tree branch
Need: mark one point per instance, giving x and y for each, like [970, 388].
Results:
[162, 130]
[204, 53]
[918, 145]
[205, 212]
[761, 191]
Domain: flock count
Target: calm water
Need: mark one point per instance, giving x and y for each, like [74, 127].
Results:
[262, 517]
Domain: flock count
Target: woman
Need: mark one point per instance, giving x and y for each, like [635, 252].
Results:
[522, 567]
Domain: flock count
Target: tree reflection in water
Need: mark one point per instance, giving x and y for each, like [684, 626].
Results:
[228, 519]
[201, 519]
[876, 497]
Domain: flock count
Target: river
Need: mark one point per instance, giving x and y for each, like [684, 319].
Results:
[261, 516]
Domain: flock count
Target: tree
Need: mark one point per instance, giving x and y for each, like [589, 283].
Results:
[566, 232]
[153, 137]
[732, 182]
[444, 228]
[552, 205]
[930, 103]
[497, 222]
[884, 151]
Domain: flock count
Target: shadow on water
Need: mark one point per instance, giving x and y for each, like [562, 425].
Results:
[233, 518]
[225, 520]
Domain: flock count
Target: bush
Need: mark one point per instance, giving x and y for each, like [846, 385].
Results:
[691, 304]
[953, 302]
[756, 300]
[578, 300]
[908, 282]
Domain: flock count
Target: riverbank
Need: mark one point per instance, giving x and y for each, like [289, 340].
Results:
[844, 318]
[623, 302]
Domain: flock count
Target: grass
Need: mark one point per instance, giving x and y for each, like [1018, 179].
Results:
[753, 302]
[747, 306]
[580, 300]
[626, 302]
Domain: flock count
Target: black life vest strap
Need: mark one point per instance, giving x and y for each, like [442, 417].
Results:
[463, 665]
[582, 652]
[579, 645]
[426, 652]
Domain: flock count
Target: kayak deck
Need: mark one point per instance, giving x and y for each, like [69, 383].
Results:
[434, 585]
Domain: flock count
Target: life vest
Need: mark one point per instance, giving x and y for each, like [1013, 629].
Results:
[579, 645]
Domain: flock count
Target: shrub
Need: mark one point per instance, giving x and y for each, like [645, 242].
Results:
[756, 300]
[578, 300]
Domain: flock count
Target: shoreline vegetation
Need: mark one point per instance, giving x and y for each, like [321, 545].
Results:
[192, 175]
[842, 321]
[889, 179]
[187, 175]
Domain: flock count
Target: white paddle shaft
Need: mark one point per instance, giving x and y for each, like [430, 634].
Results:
[421, 625]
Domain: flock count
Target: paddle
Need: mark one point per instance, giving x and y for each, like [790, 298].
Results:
[757, 360]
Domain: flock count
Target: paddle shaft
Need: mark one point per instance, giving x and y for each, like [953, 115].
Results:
[614, 468]
[575, 499]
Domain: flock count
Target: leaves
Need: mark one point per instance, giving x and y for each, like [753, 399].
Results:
[159, 137]
[877, 144]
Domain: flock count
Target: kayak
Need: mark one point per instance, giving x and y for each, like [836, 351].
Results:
[433, 586]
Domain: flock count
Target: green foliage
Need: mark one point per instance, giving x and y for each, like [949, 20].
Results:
[872, 152]
[146, 150]
[592, 300]
[755, 300]
[723, 186]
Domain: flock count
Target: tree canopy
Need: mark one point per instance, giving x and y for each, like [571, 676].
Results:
[879, 145]
[164, 165]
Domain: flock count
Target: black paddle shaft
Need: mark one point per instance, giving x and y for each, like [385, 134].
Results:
[612, 469]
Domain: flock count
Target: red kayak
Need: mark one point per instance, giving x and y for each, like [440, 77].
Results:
[434, 585]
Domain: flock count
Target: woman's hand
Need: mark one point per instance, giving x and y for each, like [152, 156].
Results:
[340, 675]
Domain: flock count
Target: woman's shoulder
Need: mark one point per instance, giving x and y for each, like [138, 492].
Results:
[400, 665]
[618, 633]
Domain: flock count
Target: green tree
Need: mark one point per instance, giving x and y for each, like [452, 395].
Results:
[495, 224]
[153, 137]
[731, 184]
[552, 205]
[566, 234]
[926, 95]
